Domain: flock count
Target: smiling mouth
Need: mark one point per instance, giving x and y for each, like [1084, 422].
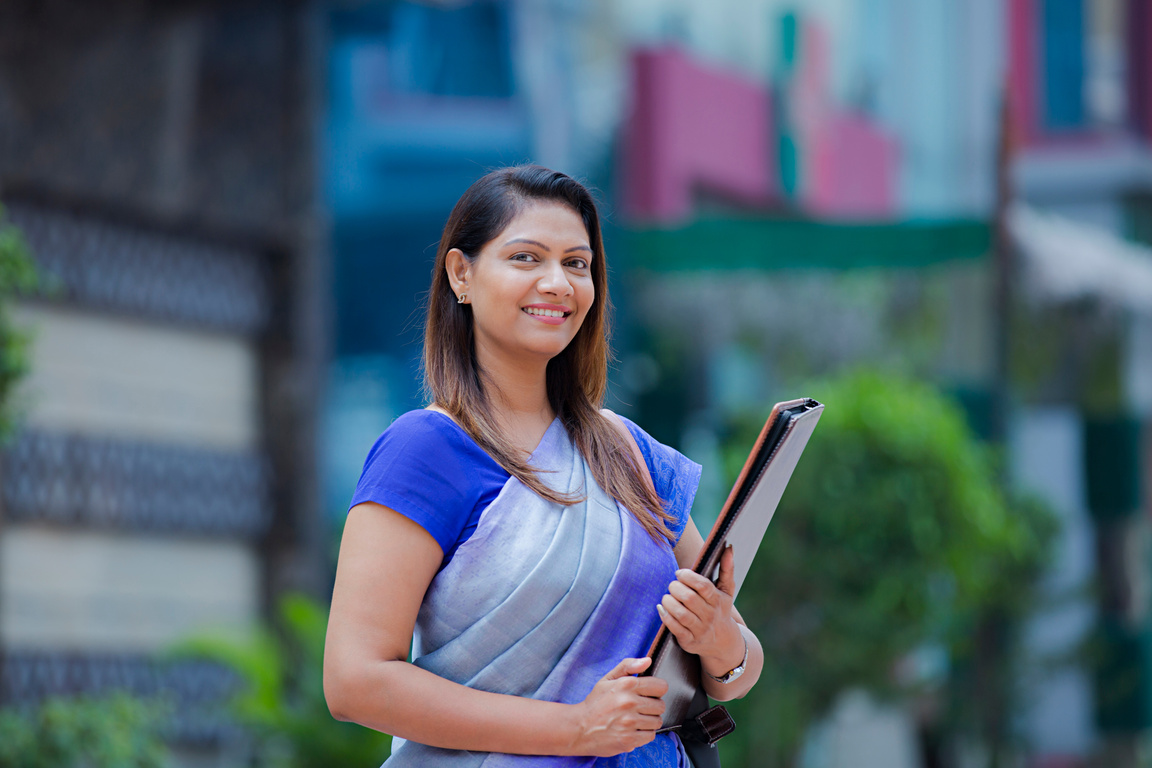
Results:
[546, 312]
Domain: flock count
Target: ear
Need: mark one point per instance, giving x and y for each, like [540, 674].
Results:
[459, 270]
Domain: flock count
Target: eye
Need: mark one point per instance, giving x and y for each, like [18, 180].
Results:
[578, 263]
[522, 256]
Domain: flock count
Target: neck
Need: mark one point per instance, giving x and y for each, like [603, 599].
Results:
[517, 387]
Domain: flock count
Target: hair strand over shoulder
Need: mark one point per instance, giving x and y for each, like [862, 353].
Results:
[576, 378]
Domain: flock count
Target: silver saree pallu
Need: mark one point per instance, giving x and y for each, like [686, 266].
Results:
[542, 601]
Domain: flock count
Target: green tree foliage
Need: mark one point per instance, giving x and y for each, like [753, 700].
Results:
[17, 275]
[282, 701]
[116, 732]
[894, 532]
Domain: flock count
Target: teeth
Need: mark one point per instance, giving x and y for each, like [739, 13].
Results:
[544, 312]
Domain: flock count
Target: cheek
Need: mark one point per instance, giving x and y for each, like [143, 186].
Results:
[587, 304]
[589, 291]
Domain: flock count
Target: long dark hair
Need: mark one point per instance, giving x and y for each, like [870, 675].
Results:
[576, 378]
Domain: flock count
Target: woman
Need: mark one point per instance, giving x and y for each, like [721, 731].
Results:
[515, 528]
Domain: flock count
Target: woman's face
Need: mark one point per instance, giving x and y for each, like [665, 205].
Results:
[531, 286]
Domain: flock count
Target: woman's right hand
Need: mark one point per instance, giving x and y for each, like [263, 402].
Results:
[621, 712]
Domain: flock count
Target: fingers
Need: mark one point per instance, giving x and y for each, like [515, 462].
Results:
[652, 687]
[628, 667]
[695, 581]
[691, 614]
[693, 609]
[688, 596]
[649, 690]
[702, 586]
[726, 582]
[682, 633]
[647, 687]
[648, 722]
[696, 611]
[621, 712]
[637, 699]
[653, 708]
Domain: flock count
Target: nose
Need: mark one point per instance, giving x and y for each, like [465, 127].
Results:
[554, 280]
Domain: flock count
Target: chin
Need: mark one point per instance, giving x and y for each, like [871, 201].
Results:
[547, 346]
[549, 352]
[546, 350]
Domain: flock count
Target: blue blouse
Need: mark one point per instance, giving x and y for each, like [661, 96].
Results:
[427, 468]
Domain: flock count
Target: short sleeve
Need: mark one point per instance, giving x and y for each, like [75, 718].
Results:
[675, 476]
[424, 467]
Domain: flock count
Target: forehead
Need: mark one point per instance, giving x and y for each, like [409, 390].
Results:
[547, 222]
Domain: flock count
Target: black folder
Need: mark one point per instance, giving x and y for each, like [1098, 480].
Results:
[742, 522]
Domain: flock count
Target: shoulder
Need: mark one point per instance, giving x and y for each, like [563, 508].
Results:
[629, 439]
[617, 422]
[428, 469]
[422, 431]
[424, 443]
[424, 421]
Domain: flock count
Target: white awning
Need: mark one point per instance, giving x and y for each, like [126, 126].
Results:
[1064, 260]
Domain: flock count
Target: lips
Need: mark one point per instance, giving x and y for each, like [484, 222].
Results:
[552, 314]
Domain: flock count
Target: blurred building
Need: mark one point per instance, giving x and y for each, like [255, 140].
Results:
[1081, 91]
[790, 188]
[823, 172]
[884, 120]
[159, 159]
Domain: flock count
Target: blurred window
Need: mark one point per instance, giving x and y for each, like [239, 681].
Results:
[416, 50]
[459, 51]
[1083, 63]
[1106, 70]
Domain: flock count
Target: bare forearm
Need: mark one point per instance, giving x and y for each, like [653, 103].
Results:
[401, 699]
[740, 686]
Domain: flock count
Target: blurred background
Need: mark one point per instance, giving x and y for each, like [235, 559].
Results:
[218, 222]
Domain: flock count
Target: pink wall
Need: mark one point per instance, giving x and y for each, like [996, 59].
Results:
[846, 165]
[854, 171]
[694, 127]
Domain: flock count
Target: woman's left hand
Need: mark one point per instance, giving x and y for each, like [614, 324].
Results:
[700, 615]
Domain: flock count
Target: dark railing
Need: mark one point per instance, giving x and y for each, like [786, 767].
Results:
[97, 482]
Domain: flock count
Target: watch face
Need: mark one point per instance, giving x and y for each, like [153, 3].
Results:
[736, 672]
[729, 676]
[733, 674]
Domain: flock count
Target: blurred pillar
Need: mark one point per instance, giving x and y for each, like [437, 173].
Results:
[1004, 270]
[297, 350]
[1113, 454]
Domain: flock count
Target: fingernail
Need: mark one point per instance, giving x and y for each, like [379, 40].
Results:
[659, 608]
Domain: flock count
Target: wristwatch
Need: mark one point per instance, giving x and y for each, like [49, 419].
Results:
[736, 671]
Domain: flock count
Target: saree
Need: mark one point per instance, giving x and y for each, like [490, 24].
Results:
[543, 600]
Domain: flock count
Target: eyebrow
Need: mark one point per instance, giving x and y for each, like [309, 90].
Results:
[541, 245]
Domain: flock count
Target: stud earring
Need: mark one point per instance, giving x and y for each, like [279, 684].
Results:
[461, 297]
